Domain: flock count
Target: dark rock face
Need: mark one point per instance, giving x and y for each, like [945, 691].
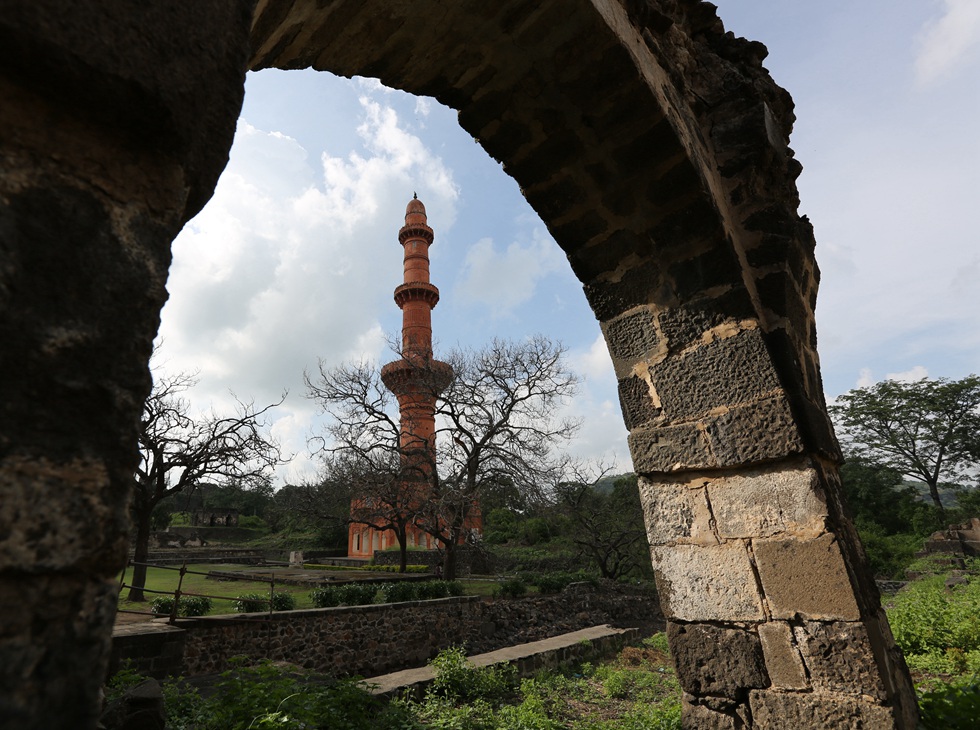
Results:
[655, 147]
[117, 120]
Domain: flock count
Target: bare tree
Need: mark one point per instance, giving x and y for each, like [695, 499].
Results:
[609, 523]
[178, 451]
[497, 419]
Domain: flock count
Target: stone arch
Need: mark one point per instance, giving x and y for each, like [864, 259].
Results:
[655, 148]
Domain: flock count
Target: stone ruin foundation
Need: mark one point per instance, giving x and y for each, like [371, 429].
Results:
[654, 146]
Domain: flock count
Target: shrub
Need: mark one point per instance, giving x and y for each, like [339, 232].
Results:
[162, 604]
[432, 589]
[457, 679]
[251, 603]
[325, 596]
[188, 606]
[955, 707]
[399, 592]
[194, 605]
[283, 602]
[252, 521]
[513, 588]
[454, 587]
[357, 594]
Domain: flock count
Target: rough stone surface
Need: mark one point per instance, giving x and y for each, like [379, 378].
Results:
[767, 503]
[728, 372]
[702, 583]
[783, 662]
[713, 660]
[805, 578]
[773, 710]
[701, 717]
[630, 337]
[675, 513]
[840, 659]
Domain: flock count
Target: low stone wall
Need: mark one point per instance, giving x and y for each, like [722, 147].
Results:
[380, 638]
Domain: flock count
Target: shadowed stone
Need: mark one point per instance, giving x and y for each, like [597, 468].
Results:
[839, 658]
[806, 578]
[711, 660]
[783, 663]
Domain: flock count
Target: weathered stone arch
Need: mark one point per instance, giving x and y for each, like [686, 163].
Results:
[655, 148]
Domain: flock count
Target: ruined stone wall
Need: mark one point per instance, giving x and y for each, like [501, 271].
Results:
[654, 146]
[376, 639]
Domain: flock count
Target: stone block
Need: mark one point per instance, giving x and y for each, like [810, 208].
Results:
[636, 402]
[774, 710]
[764, 503]
[700, 717]
[783, 662]
[725, 373]
[805, 578]
[675, 513]
[630, 338]
[840, 659]
[706, 583]
[712, 660]
[754, 432]
[670, 448]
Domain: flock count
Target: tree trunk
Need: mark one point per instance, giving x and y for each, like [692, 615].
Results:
[142, 550]
[934, 493]
[402, 534]
[449, 562]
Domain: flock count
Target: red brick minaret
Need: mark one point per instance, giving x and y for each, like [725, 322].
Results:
[417, 378]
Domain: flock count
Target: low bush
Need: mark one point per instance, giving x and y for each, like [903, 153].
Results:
[357, 594]
[399, 592]
[194, 605]
[513, 588]
[325, 596]
[460, 681]
[283, 602]
[188, 606]
[251, 603]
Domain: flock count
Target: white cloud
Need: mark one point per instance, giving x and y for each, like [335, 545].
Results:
[594, 363]
[916, 373]
[947, 42]
[502, 280]
[865, 380]
[289, 263]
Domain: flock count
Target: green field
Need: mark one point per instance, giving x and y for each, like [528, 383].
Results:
[224, 592]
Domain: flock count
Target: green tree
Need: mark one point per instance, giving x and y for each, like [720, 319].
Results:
[928, 430]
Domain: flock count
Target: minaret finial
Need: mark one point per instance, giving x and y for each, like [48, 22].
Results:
[415, 196]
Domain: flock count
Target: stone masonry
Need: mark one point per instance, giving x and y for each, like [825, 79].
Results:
[654, 146]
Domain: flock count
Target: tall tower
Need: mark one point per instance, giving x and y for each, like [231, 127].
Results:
[416, 380]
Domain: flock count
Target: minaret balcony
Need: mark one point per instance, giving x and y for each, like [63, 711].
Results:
[414, 291]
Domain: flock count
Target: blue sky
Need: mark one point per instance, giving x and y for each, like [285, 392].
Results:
[296, 256]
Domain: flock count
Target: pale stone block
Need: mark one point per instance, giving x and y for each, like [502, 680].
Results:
[769, 503]
[783, 662]
[676, 513]
[774, 710]
[806, 578]
[706, 583]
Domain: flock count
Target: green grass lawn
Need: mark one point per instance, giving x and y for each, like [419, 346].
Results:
[162, 579]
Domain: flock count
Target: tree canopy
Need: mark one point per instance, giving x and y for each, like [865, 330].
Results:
[927, 430]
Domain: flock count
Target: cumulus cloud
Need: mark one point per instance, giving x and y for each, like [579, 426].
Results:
[948, 41]
[916, 373]
[295, 260]
[502, 279]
